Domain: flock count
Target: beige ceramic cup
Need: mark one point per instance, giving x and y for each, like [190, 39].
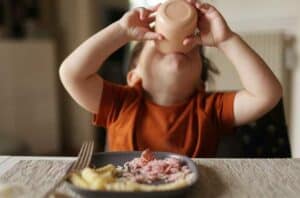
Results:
[175, 20]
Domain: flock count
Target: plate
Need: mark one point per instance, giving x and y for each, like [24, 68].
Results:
[119, 158]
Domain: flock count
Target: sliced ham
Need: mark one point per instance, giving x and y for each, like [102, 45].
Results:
[148, 169]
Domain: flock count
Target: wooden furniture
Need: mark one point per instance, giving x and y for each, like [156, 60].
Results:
[28, 96]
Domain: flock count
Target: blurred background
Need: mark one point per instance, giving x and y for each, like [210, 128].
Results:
[37, 117]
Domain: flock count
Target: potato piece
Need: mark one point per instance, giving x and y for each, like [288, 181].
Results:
[131, 186]
[89, 175]
[106, 168]
[103, 180]
[120, 186]
[98, 184]
[108, 176]
[96, 180]
[78, 181]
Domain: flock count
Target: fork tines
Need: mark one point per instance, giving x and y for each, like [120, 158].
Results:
[83, 160]
[84, 157]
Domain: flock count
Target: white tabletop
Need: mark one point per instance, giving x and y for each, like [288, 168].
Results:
[7, 162]
[3, 158]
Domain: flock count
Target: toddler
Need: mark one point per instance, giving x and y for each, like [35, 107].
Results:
[165, 106]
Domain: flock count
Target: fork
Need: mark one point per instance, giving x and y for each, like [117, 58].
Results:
[83, 160]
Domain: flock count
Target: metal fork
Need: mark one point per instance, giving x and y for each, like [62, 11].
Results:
[83, 160]
[84, 157]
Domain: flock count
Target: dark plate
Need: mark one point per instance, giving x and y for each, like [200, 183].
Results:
[119, 158]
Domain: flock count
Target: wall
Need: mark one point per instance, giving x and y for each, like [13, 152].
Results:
[295, 122]
[28, 97]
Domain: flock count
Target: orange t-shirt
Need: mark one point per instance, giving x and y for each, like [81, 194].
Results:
[192, 128]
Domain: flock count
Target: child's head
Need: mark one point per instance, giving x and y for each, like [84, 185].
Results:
[159, 72]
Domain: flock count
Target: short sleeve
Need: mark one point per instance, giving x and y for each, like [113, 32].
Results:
[222, 107]
[112, 101]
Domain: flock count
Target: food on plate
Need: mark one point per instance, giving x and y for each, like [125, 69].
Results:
[145, 173]
[12, 190]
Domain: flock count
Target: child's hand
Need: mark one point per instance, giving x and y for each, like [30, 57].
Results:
[212, 26]
[136, 24]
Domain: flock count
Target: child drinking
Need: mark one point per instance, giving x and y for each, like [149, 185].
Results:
[165, 107]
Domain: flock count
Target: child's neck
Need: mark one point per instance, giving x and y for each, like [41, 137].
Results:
[168, 97]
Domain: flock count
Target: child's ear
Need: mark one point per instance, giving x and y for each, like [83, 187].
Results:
[133, 78]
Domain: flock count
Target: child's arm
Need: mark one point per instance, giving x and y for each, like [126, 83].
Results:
[78, 72]
[262, 90]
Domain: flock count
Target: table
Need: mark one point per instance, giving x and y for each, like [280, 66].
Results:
[218, 177]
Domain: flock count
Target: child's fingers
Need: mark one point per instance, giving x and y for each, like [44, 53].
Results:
[198, 5]
[191, 1]
[151, 13]
[147, 14]
[210, 12]
[152, 36]
[192, 40]
[195, 3]
[206, 8]
[154, 8]
[150, 18]
[148, 34]
[143, 13]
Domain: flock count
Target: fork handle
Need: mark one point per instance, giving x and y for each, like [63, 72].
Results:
[57, 184]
